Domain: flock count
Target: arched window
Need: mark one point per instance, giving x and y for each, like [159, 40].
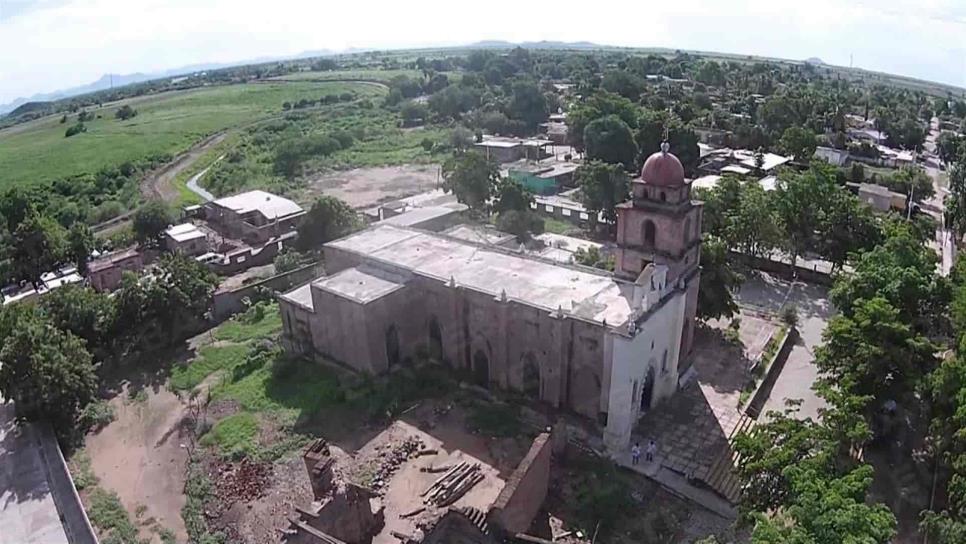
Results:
[663, 196]
[664, 362]
[687, 231]
[649, 232]
[481, 368]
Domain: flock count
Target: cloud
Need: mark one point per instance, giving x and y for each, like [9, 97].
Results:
[60, 43]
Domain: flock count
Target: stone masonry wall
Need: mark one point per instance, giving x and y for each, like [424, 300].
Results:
[525, 490]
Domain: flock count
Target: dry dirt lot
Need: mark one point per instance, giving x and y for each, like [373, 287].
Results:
[139, 456]
[365, 187]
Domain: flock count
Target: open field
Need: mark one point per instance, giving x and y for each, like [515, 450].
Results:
[166, 124]
[338, 75]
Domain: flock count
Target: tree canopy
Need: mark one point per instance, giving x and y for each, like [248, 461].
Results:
[602, 187]
[472, 178]
[328, 218]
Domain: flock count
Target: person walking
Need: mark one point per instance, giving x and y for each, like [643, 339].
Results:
[636, 453]
[651, 450]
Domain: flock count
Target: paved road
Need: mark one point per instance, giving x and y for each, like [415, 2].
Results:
[28, 514]
[197, 189]
[795, 382]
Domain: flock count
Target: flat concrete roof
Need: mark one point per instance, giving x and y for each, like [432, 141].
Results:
[269, 205]
[302, 296]
[358, 285]
[595, 297]
[184, 232]
[418, 216]
[28, 514]
[479, 234]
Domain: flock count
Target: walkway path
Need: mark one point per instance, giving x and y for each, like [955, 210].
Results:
[770, 293]
[28, 514]
[198, 190]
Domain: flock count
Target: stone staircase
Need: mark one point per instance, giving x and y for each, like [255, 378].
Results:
[721, 476]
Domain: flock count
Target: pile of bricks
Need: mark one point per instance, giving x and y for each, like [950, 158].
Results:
[391, 459]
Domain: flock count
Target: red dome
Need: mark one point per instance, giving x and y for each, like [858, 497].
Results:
[663, 168]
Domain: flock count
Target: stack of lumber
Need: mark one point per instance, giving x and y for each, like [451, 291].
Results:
[449, 487]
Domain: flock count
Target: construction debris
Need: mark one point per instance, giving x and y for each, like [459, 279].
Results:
[244, 481]
[393, 458]
[449, 487]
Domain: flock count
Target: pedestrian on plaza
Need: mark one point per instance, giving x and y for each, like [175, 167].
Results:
[636, 453]
[651, 450]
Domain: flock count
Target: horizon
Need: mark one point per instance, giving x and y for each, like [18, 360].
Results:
[68, 43]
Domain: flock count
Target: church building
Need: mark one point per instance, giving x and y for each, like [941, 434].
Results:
[608, 346]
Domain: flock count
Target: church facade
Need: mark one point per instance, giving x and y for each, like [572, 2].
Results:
[606, 346]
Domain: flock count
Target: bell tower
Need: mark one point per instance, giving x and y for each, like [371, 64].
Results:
[662, 225]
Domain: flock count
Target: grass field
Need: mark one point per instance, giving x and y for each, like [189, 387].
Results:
[166, 123]
[371, 75]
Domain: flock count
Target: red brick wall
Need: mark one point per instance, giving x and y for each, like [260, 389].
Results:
[526, 489]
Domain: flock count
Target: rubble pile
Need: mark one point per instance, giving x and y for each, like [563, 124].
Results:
[245, 480]
[393, 457]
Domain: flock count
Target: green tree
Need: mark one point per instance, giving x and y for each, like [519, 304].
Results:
[286, 261]
[827, 511]
[511, 195]
[653, 127]
[718, 281]
[85, 313]
[596, 106]
[38, 245]
[328, 218]
[413, 113]
[798, 201]
[602, 187]
[520, 223]
[847, 227]
[472, 178]
[80, 243]
[873, 351]
[751, 226]
[527, 103]
[798, 142]
[125, 112]
[903, 272]
[610, 140]
[624, 83]
[48, 373]
[150, 221]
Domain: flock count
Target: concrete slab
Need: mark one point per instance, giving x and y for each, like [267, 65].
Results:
[28, 514]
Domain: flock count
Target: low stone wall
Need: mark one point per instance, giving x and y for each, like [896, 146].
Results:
[62, 489]
[228, 303]
[775, 366]
[786, 270]
[525, 490]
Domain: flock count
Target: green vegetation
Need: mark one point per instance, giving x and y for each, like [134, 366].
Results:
[166, 123]
[234, 435]
[111, 519]
[198, 490]
[261, 320]
[211, 360]
[499, 420]
[81, 471]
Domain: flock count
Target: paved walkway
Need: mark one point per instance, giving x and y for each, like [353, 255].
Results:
[197, 189]
[28, 514]
[769, 293]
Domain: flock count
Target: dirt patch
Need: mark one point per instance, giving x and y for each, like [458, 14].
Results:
[366, 187]
[139, 456]
[263, 520]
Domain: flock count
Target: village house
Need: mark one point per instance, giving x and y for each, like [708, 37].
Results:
[185, 238]
[255, 216]
[607, 346]
[105, 273]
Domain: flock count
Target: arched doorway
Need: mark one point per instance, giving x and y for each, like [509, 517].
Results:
[392, 346]
[647, 392]
[531, 376]
[481, 369]
[435, 339]
[648, 232]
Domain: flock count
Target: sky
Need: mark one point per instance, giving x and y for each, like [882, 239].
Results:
[46, 45]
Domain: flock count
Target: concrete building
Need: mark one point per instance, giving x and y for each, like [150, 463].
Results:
[503, 149]
[878, 197]
[185, 238]
[104, 274]
[255, 216]
[835, 157]
[607, 346]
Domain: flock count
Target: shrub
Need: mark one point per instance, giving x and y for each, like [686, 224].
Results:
[789, 315]
[96, 415]
[75, 130]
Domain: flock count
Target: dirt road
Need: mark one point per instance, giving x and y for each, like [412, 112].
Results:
[159, 183]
